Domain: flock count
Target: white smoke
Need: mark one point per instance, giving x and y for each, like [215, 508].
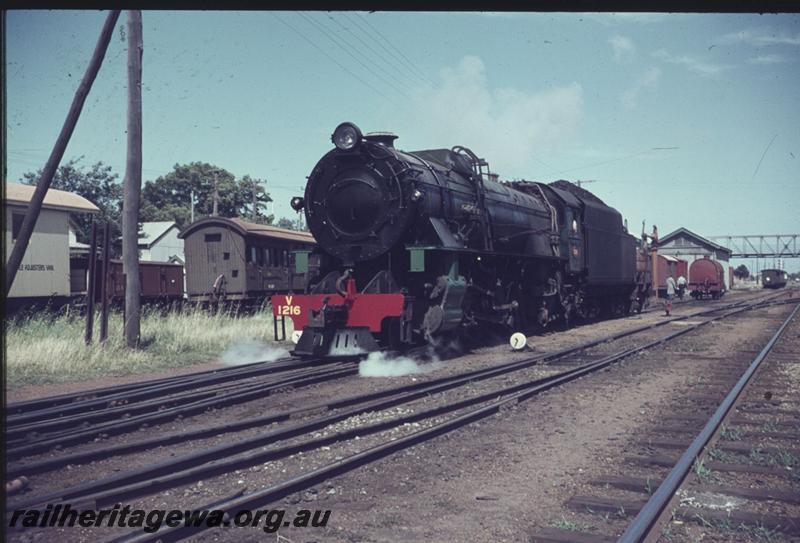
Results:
[247, 351]
[379, 364]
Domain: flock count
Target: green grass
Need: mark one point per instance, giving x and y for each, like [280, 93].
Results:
[570, 525]
[703, 473]
[48, 348]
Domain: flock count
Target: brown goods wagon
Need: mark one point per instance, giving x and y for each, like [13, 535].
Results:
[706, 278]
[162, 281]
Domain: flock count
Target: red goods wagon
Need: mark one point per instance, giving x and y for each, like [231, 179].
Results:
[683, 269]
[667, 266]
[706, 279]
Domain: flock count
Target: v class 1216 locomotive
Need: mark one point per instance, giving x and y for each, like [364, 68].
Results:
[421, 246]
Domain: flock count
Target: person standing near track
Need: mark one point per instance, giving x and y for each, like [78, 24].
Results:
[681, 286]
[670, 293]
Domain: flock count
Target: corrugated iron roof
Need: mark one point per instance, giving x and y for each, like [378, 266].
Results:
[274, 231]
[689, 233]
[54, 199]
[152, 231]
[247, 228]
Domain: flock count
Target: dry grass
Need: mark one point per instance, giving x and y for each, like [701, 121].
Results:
[47, 348]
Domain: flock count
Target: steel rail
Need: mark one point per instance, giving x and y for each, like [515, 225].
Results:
[183, 468]
[275, 492]
[183, 396]
[30, 410]
[116, 427]
[648, 516]
[428, 387]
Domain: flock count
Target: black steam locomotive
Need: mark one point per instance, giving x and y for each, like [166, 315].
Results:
[423, 245]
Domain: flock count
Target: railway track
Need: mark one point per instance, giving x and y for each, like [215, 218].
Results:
[724, 469]
[243, 453]
[63, 421]
[18, 449]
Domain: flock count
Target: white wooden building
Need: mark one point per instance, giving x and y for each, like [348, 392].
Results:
[159, 242]
[45, 268]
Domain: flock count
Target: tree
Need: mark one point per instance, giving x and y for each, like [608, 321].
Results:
[168, 198]
[100, 185]
[291, 224]
[741, 272]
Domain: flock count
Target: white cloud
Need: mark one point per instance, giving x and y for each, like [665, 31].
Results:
[768, 59]
[507, 126]
[649, 80]
[693, 64]
[624, 49]
[760, 37]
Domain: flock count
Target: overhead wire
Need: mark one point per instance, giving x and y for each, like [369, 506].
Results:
[401, 56]
[381, 58]
[321, 50]
[335, 40]
[610, 161]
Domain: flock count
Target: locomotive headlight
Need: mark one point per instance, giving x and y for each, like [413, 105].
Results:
[346, 136]
[417, 195]
[297, 203]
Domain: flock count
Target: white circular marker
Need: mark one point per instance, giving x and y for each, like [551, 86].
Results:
[296, 336]
[518, 341]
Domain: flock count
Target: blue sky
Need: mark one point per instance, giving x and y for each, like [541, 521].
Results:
[681, 120]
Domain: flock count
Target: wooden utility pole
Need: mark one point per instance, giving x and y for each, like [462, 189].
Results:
[28, 224]
[255, 200]
[216, 194]
[90, 288]
[133, 182]
[104, 283]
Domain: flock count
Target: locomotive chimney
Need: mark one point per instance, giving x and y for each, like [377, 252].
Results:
[384, 138]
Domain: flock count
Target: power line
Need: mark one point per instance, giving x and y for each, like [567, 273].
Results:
[416, 72]
[381, 58]
[758, 166]
[610, 161]
[321, 50]
[333, 38]
[399, 52]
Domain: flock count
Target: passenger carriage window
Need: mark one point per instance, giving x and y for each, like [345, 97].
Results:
[226, 256]
[235, 273]
[212, 237]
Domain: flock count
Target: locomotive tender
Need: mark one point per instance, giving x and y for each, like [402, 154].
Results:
[420, 246]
